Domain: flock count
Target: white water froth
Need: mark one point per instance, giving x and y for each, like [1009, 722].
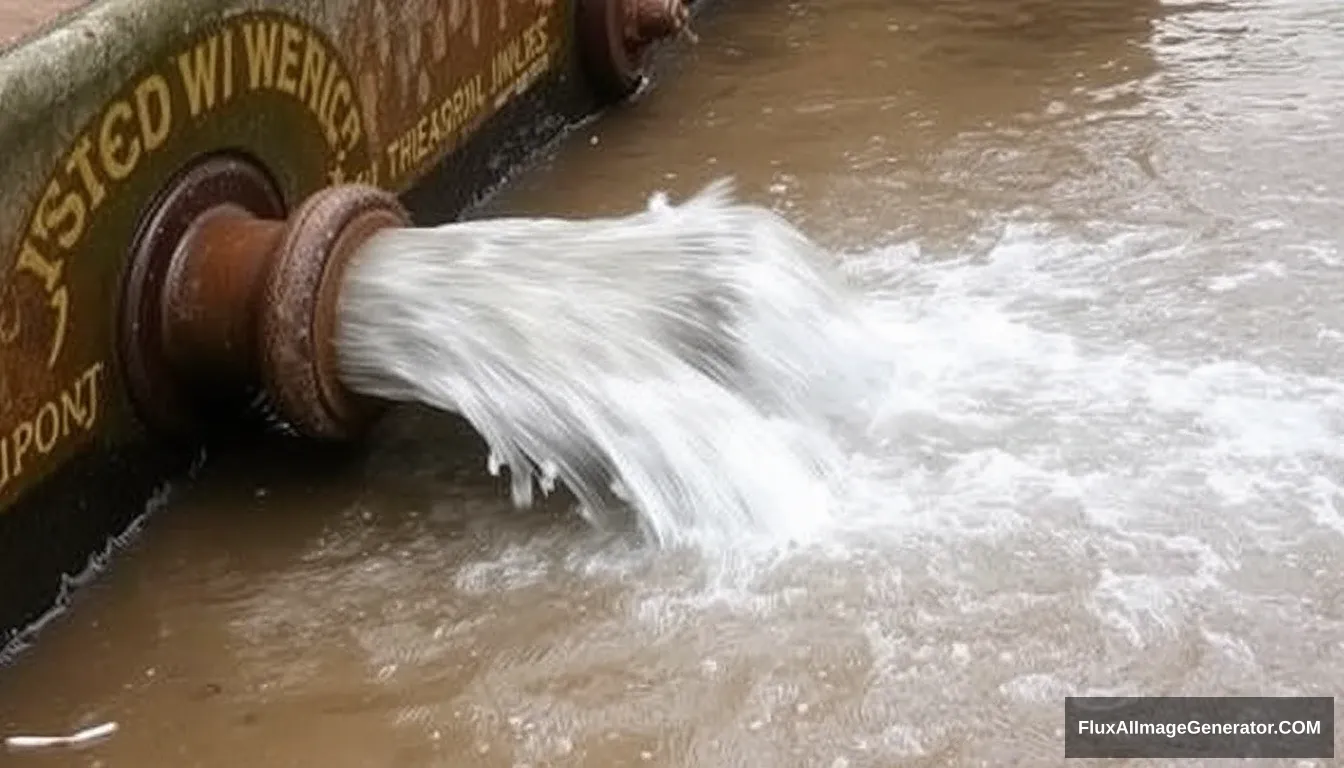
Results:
[1051, 489]
[1046, 507]
[733, 382]
[700, 363]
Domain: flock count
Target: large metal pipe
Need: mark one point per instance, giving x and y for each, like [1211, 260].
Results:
[230, 301]
[162, 272]
[615, 37]
[229, 298]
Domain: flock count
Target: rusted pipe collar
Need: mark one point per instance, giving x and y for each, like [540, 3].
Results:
[210, 294]
[297, 318]
[227, 298]
[654, 20]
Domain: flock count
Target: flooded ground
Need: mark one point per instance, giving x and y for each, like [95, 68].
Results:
[1107, 236]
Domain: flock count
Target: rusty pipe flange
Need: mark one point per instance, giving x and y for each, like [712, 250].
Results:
[654, 20]
[615, 36]
[298, 312]
[162, 391]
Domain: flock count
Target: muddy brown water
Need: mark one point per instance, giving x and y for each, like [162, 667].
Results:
[1116, 462]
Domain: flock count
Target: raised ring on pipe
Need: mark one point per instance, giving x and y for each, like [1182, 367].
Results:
[230, 308]
[615, 37]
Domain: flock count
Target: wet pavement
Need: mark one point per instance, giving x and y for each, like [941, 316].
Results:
[1108, 235]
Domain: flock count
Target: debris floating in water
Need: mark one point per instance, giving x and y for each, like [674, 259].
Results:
[678, 361]
[84, 738]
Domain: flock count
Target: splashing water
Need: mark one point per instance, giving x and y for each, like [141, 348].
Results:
[699, 363]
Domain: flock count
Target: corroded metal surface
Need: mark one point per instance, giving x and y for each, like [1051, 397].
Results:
[653, 20]
[429, 72]
[119, 138]
[186, 318]
[230, 303]
[297, 311]
[106, 108]
[614, 38]
[101, 112]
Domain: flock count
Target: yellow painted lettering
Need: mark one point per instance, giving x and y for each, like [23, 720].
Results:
[508, 62]
[314, 70]
[436, 127]
[35, 263]
[228, 64]
[459, 102]
[60, 302]
[537, 37]
[73, 411]
[448, 122]
[81, 162]
[259, 44]
[287, 81]
[407, 156]
[23, 441]
[47, 427]
[119, 156]
[352, 129]
[154, 106]
[64, 219]
[90, 381]
[200, 75]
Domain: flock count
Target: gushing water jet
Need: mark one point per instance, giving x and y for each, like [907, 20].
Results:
[688, 361]
[165, 276]
[669, 360]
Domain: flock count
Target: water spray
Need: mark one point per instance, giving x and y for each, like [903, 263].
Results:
[638, 360]
[687, 361]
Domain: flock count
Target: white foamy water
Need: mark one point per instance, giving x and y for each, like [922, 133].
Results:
[701, 363]
[709, 367]
[1092, 305]
[1048, 487]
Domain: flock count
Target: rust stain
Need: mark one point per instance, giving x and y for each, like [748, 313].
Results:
[407, 56]
[379, 93]
[56, 365]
